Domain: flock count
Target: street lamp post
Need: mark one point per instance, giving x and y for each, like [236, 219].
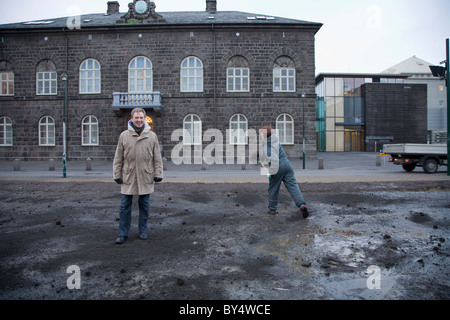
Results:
[303, 122]
[447, 83]
[444, 73]
[64, 80]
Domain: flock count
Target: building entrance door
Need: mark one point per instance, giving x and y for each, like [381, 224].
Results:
[354, 139]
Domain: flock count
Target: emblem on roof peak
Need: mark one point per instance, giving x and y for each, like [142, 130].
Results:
[142, 11]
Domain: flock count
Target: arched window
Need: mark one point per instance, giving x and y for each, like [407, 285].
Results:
[191, 75]
[238, 129]
[89, 131]
[140, 75]
[90, 76]
[285, 127]
[284, 75]
[46, 78]
[238, 75]
[6, 132]
[46, 131]
[192, 125]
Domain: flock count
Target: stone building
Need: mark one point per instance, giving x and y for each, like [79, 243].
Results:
[193, 70]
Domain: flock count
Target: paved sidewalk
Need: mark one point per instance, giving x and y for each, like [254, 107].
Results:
[337, 167]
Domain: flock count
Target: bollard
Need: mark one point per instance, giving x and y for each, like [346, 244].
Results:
[51, 166]
[378, 161]
[16, 164]
[88, 164]
[320, 163]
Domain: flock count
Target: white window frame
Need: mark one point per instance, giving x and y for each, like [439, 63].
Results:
[47, 131]
[192, 124]
[238, 130]
[6, 132]
[89, 131]
[90, 77]
[238, 80]
[286, 135]
[284, 79]
[46, 83]
[191, 75]
[6, 83]
[140, 77]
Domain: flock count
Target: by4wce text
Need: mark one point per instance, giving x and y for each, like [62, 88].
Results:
[227, 309]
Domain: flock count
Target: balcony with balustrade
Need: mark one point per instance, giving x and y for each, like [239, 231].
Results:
[123, 101]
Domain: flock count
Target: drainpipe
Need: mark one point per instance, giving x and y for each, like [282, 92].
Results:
[214, 74]
[67, 49]
[65, 103]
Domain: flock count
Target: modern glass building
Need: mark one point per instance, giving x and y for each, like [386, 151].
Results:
[340, 109]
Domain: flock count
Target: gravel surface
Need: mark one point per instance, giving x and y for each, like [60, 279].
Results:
[214, 241]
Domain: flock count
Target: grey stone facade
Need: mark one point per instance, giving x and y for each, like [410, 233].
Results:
[213, 37]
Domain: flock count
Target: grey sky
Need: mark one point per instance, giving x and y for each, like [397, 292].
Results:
[357, 35]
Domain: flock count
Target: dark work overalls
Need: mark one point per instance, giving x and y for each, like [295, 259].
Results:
[285, 174]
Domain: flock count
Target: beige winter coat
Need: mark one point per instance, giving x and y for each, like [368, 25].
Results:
[137, 161]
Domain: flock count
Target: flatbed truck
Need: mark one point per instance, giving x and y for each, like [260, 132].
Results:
[411, 155]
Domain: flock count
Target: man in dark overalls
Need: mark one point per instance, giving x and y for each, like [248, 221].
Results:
[280, 170]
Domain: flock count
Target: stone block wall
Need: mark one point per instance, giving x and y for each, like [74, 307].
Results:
[166, 47]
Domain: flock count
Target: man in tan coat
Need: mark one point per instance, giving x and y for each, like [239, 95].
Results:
[137, 166]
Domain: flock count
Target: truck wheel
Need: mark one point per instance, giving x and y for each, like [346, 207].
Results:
[409, 166]
[430, 165]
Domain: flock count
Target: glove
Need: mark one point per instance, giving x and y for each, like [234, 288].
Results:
[118, 180]
[157, 179]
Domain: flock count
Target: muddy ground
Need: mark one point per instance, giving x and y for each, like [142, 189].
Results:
[215, 241]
